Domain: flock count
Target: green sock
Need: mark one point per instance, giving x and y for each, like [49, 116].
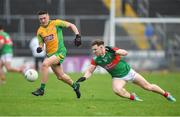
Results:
[42, 87]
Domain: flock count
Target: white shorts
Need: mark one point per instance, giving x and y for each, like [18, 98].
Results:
[129, 77]
[6, 57]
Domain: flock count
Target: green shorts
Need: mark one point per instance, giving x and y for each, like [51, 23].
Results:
[61, 55]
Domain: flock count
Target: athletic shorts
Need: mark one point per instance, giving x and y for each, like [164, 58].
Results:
[61, 56]
[6, 57]
[129, 77]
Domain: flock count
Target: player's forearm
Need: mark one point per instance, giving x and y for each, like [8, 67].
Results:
[89, 71]
[87, 74]
[74, 29]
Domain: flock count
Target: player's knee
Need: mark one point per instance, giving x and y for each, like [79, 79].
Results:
[8, 68]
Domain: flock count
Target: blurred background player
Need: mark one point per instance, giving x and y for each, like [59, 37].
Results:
[38, 57]
[50, 34]
[121, 72]
[6, 54]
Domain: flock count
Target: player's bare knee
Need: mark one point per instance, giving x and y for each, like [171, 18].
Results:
[8, 68]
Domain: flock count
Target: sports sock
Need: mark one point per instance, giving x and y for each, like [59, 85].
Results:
[165, 94]
[131, 97]
[73, 85]
[42, 87]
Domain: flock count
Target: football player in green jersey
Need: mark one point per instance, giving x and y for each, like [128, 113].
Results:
[121, 72]
[6, 54]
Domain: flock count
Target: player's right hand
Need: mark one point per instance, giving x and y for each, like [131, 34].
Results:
[81, 79]
[77, 40]
[39, 50]
[109, 49]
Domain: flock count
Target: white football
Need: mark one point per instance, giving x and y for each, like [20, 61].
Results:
[31, 75]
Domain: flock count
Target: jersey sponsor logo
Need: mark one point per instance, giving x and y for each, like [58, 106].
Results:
[48, 38]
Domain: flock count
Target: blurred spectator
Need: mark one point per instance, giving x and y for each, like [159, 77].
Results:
[151, 36]
[38, 57]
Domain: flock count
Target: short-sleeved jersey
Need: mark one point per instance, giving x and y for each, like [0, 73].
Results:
[52, 36]
[113, 63]
[7, 43]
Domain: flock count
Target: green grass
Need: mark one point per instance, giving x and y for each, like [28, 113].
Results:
[97, 97]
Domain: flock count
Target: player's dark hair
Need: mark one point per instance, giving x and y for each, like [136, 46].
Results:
[97, 42]
[42, 12]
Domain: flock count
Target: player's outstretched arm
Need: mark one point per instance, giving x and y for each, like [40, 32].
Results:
[87, 74]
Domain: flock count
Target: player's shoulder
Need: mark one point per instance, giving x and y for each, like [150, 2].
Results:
[56, 20]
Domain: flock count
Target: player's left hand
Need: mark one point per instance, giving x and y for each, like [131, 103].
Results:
[77, 40]
[109, 49]
[81, 79]
[39, 50]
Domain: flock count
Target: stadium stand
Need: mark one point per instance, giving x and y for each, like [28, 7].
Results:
[164, 8]
[30, 7]
[11, 27]
[85, 7]
[92, 27]
[23, 22]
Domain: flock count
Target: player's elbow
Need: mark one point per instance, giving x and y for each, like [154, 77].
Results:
[72, 26]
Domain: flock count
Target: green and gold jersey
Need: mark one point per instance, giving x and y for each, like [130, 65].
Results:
[113, 63]
[52, 36]
[6, 43]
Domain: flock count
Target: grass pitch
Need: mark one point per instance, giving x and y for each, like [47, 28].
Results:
[97, 97]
